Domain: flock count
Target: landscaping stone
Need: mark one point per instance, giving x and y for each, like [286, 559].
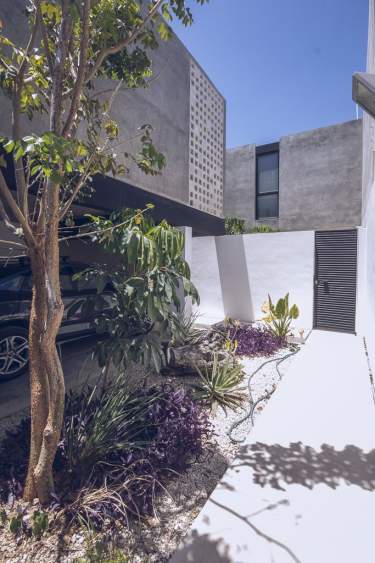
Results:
[154, 539]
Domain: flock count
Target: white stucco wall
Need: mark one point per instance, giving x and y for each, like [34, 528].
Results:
[366, 289]
[234, 274]
[205, 275]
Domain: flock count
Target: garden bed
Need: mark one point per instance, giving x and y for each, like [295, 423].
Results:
[178, 502]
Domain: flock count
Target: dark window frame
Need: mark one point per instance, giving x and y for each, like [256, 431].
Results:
[262, 150]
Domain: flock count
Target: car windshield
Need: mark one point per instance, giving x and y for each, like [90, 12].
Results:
[11, 283]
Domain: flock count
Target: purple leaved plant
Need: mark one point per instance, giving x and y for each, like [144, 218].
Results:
[255, 341]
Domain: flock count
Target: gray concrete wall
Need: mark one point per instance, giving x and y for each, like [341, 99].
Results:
[320, 178]
[239, 189]
[165, 104]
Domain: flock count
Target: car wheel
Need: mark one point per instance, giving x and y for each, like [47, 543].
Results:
[14, 352]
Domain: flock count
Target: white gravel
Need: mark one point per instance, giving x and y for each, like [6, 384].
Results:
[189, 492]
[156, 539]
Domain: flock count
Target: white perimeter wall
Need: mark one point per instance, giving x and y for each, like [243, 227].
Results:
[366, 273]
[234, 274]
[205, 275]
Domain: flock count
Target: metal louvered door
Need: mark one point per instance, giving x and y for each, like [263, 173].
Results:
[335, 280]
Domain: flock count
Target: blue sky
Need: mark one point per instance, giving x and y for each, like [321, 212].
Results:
[283, 66]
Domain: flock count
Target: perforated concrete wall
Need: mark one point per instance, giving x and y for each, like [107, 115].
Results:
[207, 137]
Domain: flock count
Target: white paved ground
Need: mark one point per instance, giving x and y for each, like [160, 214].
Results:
[303, 486]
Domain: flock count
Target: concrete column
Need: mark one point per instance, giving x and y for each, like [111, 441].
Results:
[188, 255]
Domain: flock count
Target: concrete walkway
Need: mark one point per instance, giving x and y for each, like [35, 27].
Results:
[303, 486]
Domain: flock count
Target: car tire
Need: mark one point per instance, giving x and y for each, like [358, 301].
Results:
[14, 352]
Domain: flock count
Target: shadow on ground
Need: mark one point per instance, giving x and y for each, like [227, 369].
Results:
[277, 465]
[203, 548]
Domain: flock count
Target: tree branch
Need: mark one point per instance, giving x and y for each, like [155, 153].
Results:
[107, 229]
[12, 243]
[76, 190]
[44, 36]
[77, 90]
[58, 70]
[104, 53]
[5, 217]
[11, 203]
[22, 191]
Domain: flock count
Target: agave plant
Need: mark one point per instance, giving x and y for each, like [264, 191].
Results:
[220, 383]
[280, 316]
[184, 330]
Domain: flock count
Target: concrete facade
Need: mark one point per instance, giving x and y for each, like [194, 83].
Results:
[320, 174]
[239, 193]
[169, 104]
[320, 178]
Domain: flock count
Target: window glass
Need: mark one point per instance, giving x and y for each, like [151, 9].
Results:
[267, 206]
[268, 172]
[65, 281]
[11, 283]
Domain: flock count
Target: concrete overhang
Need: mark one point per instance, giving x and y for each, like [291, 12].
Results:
[364, 91]
[112, 193]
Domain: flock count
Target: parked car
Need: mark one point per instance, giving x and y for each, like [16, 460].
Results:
[15, 304]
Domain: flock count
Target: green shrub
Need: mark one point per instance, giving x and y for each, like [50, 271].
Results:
[103, 551]
[16, 523]
[263, 229]
[99, 425]
[40, 523]
[220, 383]
[279, 317]
[234, 226]
[131, 310]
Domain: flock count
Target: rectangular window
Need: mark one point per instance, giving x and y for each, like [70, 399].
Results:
[267, 183]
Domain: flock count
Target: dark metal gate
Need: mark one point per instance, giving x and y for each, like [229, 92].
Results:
[335, 280]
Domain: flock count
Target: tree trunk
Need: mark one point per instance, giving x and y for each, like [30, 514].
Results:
[46, 375]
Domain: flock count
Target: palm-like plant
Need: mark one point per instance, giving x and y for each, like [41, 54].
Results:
[220, 383]
[279, 317]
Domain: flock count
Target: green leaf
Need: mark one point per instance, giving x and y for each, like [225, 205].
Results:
[280, 309]
[164, 31]
[294, 312]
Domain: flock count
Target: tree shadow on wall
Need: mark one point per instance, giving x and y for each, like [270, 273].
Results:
[277, 465]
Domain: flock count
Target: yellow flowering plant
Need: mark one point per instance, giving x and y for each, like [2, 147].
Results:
[280, 316]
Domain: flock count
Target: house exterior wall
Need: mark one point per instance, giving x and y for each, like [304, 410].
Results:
[234, 274]
[319, 179]
[205, 275]
[166, 104]
[239, 193]
[367, 240]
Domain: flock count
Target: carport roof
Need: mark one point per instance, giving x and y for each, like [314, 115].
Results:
[111, 193]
